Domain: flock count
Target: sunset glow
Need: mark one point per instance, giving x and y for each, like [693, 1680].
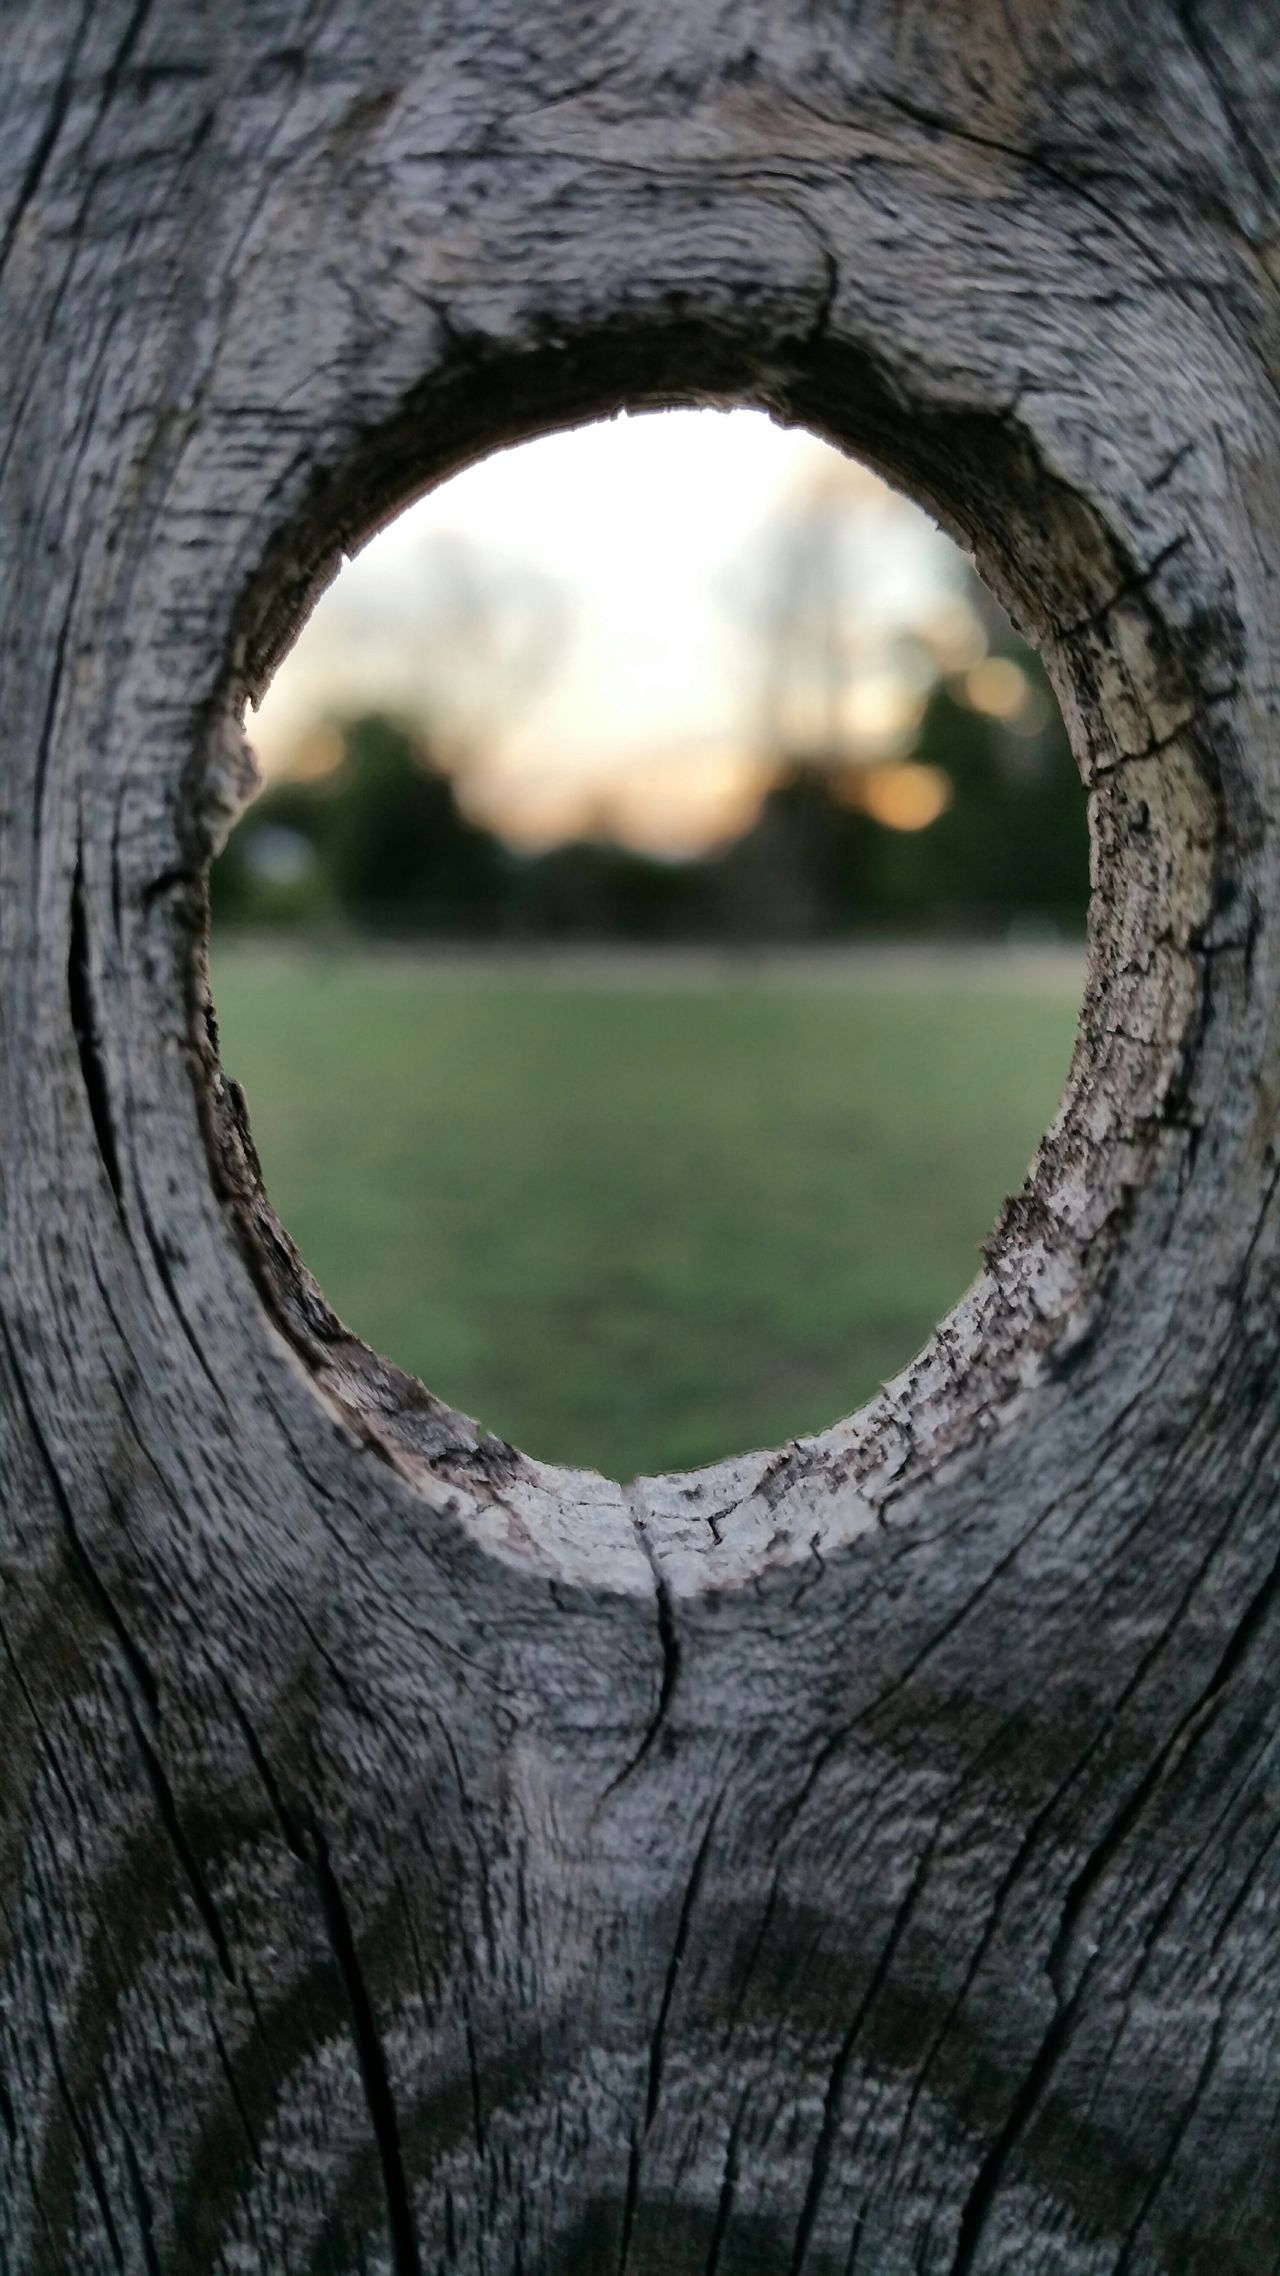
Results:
[907, 796]
[999, 687]
[579, 625]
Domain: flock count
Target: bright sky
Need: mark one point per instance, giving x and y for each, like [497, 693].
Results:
[621, 686]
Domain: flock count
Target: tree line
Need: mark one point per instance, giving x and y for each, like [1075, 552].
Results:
[382, 844]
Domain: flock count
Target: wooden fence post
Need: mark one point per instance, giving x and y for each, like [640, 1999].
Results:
[857, 1858]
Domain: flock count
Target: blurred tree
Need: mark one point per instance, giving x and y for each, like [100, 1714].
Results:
[463, 639]
[402, 855]
[1009, 841]
[806, 871]
[393, 850]
[593, 890]
[246, 887]
[1013, 843]
[802, 614]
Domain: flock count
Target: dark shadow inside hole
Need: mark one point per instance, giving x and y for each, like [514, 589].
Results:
[645, 1149]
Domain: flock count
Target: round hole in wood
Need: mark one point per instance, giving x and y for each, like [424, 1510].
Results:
[661, 1071]
[1074, 582]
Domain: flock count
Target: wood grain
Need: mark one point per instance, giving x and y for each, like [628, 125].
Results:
[858, 1858]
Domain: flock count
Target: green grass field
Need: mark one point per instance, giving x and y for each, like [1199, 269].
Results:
[640, 1225]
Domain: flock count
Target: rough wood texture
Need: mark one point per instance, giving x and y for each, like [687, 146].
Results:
[861, 1858]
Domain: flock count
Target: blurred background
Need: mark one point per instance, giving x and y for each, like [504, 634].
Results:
[655, 949]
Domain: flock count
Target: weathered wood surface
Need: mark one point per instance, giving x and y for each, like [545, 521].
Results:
[860, 1858]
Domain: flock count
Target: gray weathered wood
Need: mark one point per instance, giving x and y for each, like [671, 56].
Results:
[858, 1858]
